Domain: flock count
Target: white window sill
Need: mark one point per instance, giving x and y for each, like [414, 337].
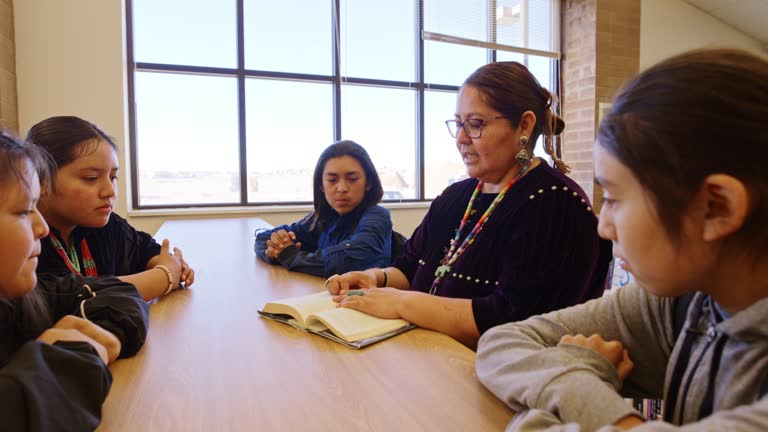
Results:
[210, 211]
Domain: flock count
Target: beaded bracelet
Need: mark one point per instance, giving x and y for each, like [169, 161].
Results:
[170, 277]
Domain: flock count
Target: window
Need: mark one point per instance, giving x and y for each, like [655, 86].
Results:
[231, 102]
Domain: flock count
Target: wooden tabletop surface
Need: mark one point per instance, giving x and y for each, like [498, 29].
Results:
[211, 363]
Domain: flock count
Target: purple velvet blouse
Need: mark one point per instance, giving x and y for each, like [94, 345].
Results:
[539, 251]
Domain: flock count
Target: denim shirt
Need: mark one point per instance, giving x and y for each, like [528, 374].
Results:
[348, 242]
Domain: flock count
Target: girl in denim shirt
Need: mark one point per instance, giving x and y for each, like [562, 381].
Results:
[346, 231]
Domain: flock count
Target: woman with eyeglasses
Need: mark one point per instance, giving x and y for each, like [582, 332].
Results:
[517, 238]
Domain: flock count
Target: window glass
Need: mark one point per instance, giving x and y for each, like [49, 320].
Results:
[378, 40]
[293, 36]
[510, 56]
[541, 68]
[450, 64]
[383, 120]
[291, 100]
[288, 125]
[442, 162]
[187, 32]
[187, 129]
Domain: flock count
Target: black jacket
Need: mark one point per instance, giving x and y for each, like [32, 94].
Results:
[62, 386]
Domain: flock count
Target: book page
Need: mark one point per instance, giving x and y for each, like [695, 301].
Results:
[352, 325]
[302, 307]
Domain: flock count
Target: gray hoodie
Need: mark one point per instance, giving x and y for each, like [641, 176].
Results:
[712, 376]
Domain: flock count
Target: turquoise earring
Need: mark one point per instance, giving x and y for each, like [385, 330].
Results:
[522, 156]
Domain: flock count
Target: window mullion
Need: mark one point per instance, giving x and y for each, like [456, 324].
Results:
[336, 46]
[243, 141]
[492, 36]
[420, 145]
[133, 144]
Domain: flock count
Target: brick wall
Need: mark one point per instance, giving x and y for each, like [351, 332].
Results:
[8, 107]
[578, 93]
[601, 51]
[618, 45]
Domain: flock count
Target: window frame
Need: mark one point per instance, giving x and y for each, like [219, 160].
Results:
[336, 80]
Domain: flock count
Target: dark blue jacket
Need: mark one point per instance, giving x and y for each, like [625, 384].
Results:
[348, 242]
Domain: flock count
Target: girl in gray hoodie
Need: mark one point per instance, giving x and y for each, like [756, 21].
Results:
[682, 158]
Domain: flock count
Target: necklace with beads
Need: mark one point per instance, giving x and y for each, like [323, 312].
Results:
[71, 260]
[455, 250]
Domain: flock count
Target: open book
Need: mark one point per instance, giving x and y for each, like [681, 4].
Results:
[318, 314]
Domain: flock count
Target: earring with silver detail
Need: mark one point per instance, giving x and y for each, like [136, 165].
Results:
[522, 156]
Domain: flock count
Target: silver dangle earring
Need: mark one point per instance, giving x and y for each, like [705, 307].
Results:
[522, 156]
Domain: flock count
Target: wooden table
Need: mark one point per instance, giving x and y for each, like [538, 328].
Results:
[211, 363]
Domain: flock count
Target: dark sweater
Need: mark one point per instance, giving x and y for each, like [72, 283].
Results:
[62, 386]
[539, 250]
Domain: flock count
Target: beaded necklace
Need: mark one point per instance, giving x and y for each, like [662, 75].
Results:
[71, 259]
[455, 252]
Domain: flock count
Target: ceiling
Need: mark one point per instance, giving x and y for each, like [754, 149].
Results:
[748, 16]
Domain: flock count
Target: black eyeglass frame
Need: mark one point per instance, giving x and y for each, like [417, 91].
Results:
[461, 124]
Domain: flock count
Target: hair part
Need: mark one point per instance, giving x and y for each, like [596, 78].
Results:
[511, 89]
[696, 114]
[374, 190]
[67, 138]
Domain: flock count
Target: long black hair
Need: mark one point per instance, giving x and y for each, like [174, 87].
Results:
[374, 191]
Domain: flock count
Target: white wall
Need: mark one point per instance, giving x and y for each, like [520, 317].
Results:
[669, 27]
[70, 60]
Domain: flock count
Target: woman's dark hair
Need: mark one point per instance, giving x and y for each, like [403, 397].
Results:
[693, 115]
[13, 155]
[372, 195]
[67, 138]
[511, 89]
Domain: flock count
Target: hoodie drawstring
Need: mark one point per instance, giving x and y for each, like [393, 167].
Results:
[709, 399]
[680, 365]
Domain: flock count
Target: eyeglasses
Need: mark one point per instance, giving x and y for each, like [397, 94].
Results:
[472, 127]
